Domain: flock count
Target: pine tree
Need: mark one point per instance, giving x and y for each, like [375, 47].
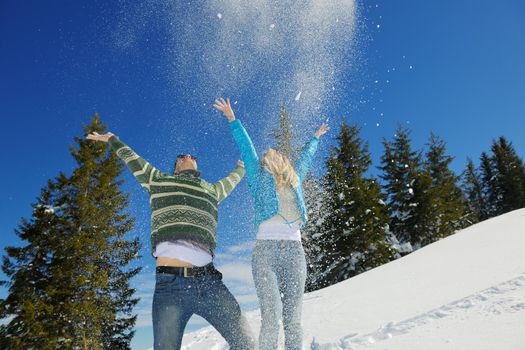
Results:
[498, 186]
[318, 210]
[442, 206]
[35, 320]
[103, 302]
[401, 169]
[86, 301]
[473, 188]
[491, 191]
[353, 238]
[285, 135]
[509, 178]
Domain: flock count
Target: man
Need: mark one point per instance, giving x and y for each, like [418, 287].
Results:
[183, 238]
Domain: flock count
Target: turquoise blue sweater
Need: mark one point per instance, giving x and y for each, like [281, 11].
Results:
[262, 183]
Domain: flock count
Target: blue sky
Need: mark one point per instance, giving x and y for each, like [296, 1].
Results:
[152, 69]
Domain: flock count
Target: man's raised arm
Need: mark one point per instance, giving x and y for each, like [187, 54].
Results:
[141, 169]
[226, 185]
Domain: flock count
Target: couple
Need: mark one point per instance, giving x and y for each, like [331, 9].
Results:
[183, 239]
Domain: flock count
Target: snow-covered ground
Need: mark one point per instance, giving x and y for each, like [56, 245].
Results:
[464, 292]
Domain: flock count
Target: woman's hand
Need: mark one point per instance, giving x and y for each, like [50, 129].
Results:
[225, 107]
[322, 130]
[240, 164]
[97, 137]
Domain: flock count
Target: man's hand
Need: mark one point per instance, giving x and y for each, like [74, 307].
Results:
[322, 130]
[225, 107]
[240, 163]
[97, 137]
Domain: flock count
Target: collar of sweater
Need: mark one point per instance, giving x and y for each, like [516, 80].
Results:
[189, 173]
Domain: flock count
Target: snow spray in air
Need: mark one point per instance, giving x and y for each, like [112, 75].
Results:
[262, 53]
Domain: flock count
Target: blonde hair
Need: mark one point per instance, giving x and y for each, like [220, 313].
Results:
[280, 167]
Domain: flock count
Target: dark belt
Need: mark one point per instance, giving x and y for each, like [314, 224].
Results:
[196, 271]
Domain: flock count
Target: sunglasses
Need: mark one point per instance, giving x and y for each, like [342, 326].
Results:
[182, 156]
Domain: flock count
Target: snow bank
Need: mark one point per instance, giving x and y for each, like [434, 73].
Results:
[465, 291]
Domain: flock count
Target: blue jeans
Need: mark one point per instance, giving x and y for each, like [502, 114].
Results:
[177, 298]
[279, 273]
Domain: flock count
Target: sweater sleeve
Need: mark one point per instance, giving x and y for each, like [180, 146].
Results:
[141, 169]
[224, 187]
[246, 148]
[302, 165]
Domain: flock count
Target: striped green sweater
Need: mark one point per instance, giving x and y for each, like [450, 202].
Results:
[183, 206]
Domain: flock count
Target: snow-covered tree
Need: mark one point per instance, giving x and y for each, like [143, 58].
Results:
[353, 233]
[318, 211]
[401, 168]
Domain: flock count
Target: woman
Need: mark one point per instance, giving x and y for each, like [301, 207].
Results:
[278, 261]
